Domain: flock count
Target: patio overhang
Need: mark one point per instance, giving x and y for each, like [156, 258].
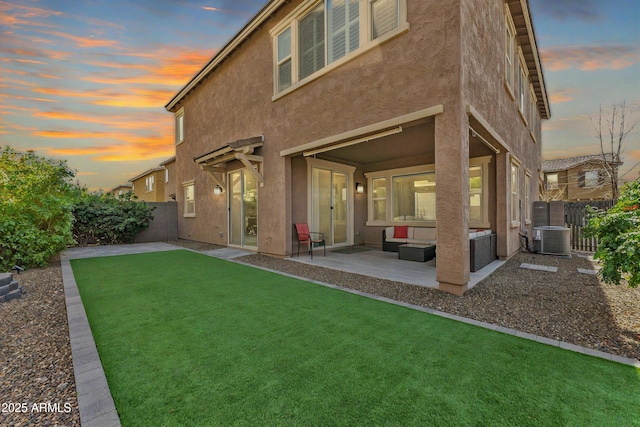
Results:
[214, 162]
[362, 134]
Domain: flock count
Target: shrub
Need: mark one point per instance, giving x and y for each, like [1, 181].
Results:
[105, 220]
[36, 200]
[618, 231]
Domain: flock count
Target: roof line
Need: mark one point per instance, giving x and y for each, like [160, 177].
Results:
[266, 12]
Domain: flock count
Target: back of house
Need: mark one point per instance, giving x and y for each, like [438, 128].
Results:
[431, 107]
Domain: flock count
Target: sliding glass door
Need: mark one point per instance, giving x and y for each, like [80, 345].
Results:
[330, 205]
[243, 209]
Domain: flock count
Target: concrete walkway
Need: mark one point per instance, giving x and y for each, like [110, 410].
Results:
[94, 397]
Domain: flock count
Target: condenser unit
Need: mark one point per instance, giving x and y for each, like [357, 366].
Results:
[552, 240]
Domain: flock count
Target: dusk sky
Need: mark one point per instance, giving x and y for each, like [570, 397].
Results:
[87, 80]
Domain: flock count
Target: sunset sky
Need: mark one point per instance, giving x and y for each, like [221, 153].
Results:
[87, 80]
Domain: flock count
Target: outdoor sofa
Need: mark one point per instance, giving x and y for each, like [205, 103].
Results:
[482, 243]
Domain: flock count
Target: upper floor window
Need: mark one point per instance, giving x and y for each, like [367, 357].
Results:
[384, 17]
[552, 181]
[589, 179]
[523, 86]
[149, 183]
[166, 175]
[320, 33]
[180, 126]
[533, 108]
[510, 50]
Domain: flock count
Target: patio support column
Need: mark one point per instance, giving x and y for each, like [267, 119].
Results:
[502, 204]
[452, 198]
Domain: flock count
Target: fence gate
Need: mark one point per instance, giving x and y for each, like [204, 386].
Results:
[575, 218]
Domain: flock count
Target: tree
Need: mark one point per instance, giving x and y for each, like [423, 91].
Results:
[36, 200]
[618, 232]
[612, 136]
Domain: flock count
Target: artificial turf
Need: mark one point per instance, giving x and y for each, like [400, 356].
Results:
[188, 340]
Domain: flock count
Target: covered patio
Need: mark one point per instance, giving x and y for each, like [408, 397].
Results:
[373, 262]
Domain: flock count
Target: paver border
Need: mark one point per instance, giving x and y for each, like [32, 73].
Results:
[96, 404]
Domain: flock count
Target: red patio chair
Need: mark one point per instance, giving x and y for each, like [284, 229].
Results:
[306, 237]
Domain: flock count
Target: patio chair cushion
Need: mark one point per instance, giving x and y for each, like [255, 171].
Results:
[424, 234]
[401, 231]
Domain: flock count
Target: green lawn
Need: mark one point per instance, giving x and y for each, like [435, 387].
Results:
[186, 339]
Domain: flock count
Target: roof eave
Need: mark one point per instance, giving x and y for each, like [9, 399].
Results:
[267, 11]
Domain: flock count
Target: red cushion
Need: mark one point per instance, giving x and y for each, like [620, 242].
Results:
[401, 231]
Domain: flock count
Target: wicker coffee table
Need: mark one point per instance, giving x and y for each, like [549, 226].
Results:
[419, 253]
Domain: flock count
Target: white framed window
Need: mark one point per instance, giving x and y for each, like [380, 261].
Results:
[180, 126]
[149, 183]
[408, 195]
[510, 49]
[523, 86]
[527, 197]
[343, 28]
[379, 199]
[533, 109]
[166, 175]
[284, 62]
[119, 193]
[475, 194]
[414, 197]
[189, 198]
[552, 181]
[515, 192]
[320, 35]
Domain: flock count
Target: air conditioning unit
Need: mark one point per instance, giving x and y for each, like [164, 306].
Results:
[552, 240]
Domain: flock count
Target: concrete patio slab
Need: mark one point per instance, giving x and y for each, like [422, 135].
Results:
[386, 265]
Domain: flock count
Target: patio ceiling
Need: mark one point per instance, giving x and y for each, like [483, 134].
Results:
[415, 145]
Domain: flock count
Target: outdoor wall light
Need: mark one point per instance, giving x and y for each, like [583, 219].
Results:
[217, 190]
[359, 188]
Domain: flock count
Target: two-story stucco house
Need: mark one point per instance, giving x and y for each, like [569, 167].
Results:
[433, 107]
[578, 178]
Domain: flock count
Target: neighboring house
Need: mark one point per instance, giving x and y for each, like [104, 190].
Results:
[577, 178]
[149, 186]
[121, 190]
[169, 166]
[431, 107]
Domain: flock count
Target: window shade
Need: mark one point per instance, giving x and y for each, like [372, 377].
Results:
[311, 42]
[384, 16]
[343, 27]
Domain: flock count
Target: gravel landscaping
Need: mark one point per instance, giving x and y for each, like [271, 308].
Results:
[35, 354]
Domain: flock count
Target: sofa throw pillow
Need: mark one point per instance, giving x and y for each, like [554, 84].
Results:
[401, 231]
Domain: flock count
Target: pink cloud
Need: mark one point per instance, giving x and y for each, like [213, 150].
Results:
[590, 58]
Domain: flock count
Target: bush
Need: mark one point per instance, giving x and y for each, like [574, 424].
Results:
[105, 220]
[36, 200]
[618, 231]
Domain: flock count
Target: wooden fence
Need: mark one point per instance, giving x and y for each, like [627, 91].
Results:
[575, 218]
